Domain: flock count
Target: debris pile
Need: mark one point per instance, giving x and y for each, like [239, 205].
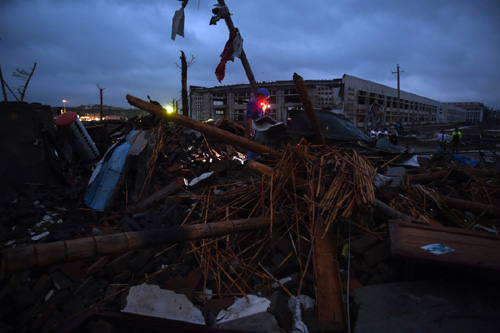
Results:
[281, 243]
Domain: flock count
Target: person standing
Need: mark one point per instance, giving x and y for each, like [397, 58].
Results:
[442, 140]
[456, 137]
[256, 109]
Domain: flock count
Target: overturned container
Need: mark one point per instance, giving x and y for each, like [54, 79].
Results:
[77, 136]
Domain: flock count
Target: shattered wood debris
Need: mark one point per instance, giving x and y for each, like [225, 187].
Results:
[325, 230]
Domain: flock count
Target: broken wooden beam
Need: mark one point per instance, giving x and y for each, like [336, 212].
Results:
[331, 313]
[428, 176]
[44, 254]
[467, 248]
[308, 107]
[209, 130]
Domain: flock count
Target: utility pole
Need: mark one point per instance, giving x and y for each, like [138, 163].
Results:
[101, 113]
[399, 100]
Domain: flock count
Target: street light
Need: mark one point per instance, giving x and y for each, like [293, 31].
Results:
[64, 104]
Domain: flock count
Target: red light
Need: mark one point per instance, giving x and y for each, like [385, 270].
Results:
[264, 106]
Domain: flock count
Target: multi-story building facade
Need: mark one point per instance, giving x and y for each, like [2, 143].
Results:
[369, 103]
[449, 113]
[475, 110]
[364, 102]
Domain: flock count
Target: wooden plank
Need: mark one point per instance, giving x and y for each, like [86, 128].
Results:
[471, 248]
[330, 308]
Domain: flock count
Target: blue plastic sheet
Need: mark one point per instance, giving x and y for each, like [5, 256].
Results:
[106, 175]
[466, 161]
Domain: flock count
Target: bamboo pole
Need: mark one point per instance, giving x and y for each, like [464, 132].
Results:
[204, 128]
[40, 255]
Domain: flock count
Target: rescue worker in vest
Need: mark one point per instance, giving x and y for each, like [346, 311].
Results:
[456, 137]
[256, 109]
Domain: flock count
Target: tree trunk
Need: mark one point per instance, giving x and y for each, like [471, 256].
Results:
[185, 102]
[27, 82]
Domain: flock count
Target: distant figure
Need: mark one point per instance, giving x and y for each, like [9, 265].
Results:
[442, 140]
[373, 134]
[385, 132]
[456, 137]
[256, 109]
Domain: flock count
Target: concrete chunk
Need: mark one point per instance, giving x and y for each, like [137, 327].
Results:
[150, 300]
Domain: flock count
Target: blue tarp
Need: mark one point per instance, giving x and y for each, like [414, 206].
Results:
[466, 161]
[106, 175]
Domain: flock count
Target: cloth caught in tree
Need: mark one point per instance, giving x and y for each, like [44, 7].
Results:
[233, 48]
[178, 23]
[219, 12]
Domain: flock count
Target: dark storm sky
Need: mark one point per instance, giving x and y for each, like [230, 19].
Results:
[449, 50]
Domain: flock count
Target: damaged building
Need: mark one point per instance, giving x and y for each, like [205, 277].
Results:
[364, 103]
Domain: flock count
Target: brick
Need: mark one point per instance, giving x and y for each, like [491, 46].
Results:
[377, 254]
[75, 270]
[277, 259]
[60, 280]
[354, 283]
[140, 259]
[284, 245]
[24, 299]
[379, 279]
[279, 308]
[175, 283]
[364, 243]
[193, 279]
[42, 317]
[84, 287]
[123, 277]
[98, 266]
[73, 307]
[119, 264]
[175, 167]
[103, 326]
[215, 305]
[42, 286]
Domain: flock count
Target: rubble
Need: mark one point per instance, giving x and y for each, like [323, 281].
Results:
[303, 230]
